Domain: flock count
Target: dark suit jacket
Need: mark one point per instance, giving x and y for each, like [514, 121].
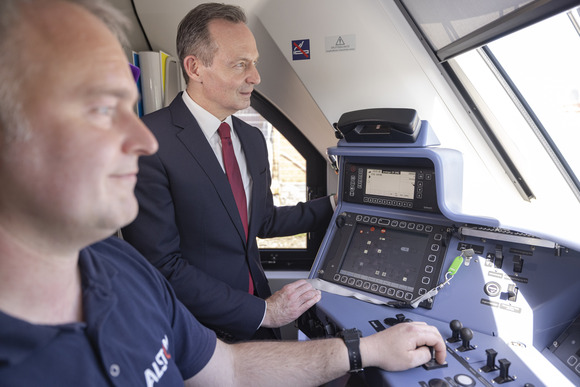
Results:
[189, 227]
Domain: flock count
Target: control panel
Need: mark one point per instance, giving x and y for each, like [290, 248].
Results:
[473, 358]
[405, 187]
[510, 314]
[505, 302]
[390, 257]
[566, 348]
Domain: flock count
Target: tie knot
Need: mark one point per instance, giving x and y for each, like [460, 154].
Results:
[224, 130]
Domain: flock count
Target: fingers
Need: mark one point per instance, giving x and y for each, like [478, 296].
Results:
[420, 355]
[404, 346]
[299, 294]
[288, 303]
[429, 336]
[304, 293]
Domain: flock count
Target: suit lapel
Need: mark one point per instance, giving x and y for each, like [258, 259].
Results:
[194, 140]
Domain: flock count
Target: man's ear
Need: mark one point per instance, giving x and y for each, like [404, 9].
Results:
[192, 64]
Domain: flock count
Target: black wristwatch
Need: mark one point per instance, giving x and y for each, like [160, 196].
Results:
[351, 338]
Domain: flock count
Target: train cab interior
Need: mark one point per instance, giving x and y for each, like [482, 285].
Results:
[449, 131]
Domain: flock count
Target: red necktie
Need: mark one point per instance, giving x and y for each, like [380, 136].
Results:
[235, 179]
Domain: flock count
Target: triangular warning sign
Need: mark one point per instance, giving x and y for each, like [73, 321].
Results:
[340, 42]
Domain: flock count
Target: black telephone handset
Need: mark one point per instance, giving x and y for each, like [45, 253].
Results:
[387, 125]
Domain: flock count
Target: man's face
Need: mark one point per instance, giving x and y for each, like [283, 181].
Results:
[228, 83]
[77, 170]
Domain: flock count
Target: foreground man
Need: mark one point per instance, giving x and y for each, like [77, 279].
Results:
[79, 310]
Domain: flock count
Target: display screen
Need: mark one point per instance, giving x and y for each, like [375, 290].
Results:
[385, 256]
[396, 184]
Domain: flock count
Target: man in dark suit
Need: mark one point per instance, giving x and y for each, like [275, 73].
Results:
[189, 225]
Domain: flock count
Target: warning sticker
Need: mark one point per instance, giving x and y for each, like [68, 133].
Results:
[301, 49]
[340, 43]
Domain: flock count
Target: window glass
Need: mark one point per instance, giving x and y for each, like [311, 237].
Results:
[543, 61]
[288, 168]
[443, 21]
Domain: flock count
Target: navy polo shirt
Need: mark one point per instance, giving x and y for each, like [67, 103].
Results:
[136, 332]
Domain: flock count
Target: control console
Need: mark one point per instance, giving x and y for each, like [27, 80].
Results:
[385, 256]
[473, 358]
[407, 187]
[506, 302]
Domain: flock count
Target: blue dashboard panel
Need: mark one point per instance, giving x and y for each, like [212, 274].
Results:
[397, 230]
[525, 364]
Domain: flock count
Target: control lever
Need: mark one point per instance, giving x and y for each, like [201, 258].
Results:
[504, 365]
[432, 364]
[512, 293]
[498, 263]
[490, 366]
[466, 336]
[455, 326]
[518, 263]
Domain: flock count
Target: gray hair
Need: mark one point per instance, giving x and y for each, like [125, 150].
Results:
[13, 69]
[193, 37]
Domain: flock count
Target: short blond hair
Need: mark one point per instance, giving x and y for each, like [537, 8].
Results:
[13, 69]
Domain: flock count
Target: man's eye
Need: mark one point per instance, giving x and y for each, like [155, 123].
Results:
[102, 115]
[105, 110]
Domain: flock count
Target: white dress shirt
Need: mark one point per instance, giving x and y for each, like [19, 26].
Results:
[209, 125]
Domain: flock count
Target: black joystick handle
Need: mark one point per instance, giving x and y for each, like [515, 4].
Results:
[432, 364]
[504, 365]
[490, 366]
[455, 326]
[466, 336]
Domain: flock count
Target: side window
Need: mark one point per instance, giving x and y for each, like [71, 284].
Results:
[514, 65]
[533, 113]
[288, 169]
[298, 174]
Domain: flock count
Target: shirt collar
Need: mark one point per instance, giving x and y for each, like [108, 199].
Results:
[21, 339]
[207, 121]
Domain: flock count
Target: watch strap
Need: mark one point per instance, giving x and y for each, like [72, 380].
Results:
[351, 339]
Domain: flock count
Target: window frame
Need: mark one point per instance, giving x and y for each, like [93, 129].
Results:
[520, 18]
[316, 169]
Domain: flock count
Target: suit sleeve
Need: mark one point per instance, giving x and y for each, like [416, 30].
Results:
[154, 233]
[313, 215]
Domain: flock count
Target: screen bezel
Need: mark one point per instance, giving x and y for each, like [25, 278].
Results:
[393, 187]
[394, 261]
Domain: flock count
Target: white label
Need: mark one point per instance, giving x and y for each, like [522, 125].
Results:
[340, 43]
